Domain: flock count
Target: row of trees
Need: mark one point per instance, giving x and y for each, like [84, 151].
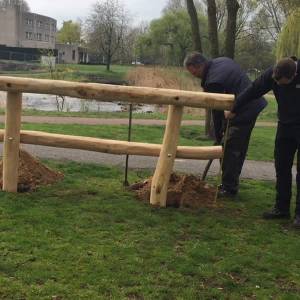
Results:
[248, 30]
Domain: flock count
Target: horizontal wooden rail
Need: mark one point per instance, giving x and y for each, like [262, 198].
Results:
[113, 93]
[112, 146]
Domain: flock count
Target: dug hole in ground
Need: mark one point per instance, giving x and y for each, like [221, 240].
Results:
[184, 191]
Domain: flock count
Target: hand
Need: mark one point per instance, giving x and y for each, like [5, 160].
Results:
[229, 115]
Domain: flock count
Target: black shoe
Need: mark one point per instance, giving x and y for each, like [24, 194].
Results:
[276, 214]
[225, 193]
[296, 222]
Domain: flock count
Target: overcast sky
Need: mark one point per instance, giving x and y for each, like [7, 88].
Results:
[64, 10]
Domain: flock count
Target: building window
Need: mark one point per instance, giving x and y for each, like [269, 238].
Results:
[47, 26]
[53, 29]
[73, 54]
[47, 37]
[39, 36]
[39, 23]
[29, 22]
[29, 35]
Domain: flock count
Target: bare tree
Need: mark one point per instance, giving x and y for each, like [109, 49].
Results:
[175, 5]
[271, 16]
[107, 26]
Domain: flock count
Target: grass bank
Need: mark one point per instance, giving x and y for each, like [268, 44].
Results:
[75, 72]
[87, 238]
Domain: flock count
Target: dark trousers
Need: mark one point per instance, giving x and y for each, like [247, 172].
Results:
[287, 143]
[236, 147]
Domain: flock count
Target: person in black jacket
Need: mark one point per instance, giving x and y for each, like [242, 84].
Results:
[223, 75]
[284, 80]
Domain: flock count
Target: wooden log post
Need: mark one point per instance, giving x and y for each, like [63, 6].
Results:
[12, 141]
[160, 181]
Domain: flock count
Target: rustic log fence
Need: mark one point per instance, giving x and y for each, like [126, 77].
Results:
[12, 136]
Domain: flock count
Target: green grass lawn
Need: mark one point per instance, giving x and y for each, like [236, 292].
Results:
[88, 238]
[270, 112]
[260, 148]
[104, 115]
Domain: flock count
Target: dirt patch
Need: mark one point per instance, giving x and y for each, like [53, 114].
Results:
[32, 173]
[184, 191]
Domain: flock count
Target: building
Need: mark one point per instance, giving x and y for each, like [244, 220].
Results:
[71, 54]
[26, 30]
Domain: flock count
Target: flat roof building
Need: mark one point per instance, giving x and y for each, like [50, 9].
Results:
[25, 29]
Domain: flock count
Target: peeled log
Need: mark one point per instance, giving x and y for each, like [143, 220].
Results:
[11, 137]
[113, 146]
[113, 93]
[164, 167]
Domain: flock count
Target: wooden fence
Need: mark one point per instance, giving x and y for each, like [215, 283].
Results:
[12, 136]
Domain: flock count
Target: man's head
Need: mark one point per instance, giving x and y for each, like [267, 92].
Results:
[285, 71]
[195, 63]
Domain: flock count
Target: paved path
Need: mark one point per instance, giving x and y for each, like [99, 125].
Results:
[252, 169]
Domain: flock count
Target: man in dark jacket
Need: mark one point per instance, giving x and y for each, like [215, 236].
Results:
[284, 80]
[223, 75]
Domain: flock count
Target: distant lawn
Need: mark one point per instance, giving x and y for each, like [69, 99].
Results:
[88, 238]
[261, 145]
[104, 115]
[76, 72]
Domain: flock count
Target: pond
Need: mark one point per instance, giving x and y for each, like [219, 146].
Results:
[70, 104]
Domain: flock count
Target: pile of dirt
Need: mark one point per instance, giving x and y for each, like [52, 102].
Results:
[32, 173]
[184, 191]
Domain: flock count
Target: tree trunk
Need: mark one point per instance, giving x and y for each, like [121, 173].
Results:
[232, 10]
[214, 52]
[197, 47]
[213, 28]
[108, 62]
[195, 25]
[209, 124]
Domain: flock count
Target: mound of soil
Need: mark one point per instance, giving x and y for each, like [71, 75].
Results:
[32, 173]
[184, 191]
